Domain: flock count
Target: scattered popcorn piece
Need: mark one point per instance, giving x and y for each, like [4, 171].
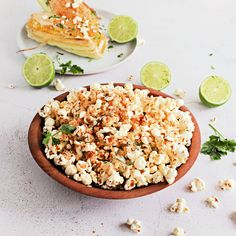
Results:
[59, 86]
[11, 86]
[141, 42]
[134, 225]
[180, 93]
[178, 232]
[197, 185]
[227, 184]
[212, 202]
[130, 77]
[179, 206]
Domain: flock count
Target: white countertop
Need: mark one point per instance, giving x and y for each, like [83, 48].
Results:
[180, 33]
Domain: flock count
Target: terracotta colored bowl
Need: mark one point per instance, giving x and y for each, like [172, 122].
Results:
[36, 148]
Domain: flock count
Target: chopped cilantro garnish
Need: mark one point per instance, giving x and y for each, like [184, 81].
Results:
[48, 136]
[53, 17]
[68, 67]
[67, 129]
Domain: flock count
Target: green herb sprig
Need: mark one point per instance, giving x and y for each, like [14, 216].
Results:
[48, 136]
[67, 129]
[217, 146]
[68, 67]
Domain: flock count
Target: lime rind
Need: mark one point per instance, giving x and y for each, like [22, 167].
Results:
[155, 75]
[39, 71]
[214, 91]
[123, 29]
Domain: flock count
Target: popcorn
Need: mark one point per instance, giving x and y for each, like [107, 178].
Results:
[179, 206]
[59, 86]
[227, 184]
[122, 138]
[197, 185]
[180, 93]
[140, 163]
[135, 225]
[71, 170]
[178, 232]
[212, 202]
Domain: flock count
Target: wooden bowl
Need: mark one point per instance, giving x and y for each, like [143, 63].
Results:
[36, 148]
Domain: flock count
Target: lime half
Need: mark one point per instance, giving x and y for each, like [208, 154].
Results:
[38, 70]
[123, 29]
[214, 91]
[155, 75]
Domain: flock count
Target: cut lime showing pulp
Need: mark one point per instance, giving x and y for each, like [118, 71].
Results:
[38, 70]
[155, 75]
[123, 29]
[214, 91]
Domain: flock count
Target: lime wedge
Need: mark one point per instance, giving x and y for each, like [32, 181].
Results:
[214, 91]
[122, 29]
[38, 70]
[155, 75]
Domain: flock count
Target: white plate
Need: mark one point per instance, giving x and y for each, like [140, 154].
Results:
[109, 61]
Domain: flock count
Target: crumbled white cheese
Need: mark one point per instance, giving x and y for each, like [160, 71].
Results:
[68, 4]
[178, 232]
[197, 185]
[212, 202]
[179, 206]
[76, 3]
[134, 225]
[59, 86]
[180, 93]
[227, 184]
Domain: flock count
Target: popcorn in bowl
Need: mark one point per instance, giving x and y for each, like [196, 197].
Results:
[116, 137]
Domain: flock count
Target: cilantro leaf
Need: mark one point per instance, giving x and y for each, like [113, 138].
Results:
[46, 137]
[76, 70]
[67, 129]
[55, 141]
[68, 67]
[217, 146]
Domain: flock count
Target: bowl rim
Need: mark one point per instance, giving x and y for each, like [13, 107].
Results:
[35, 146]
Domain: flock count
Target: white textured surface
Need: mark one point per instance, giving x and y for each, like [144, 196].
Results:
[180, 33]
